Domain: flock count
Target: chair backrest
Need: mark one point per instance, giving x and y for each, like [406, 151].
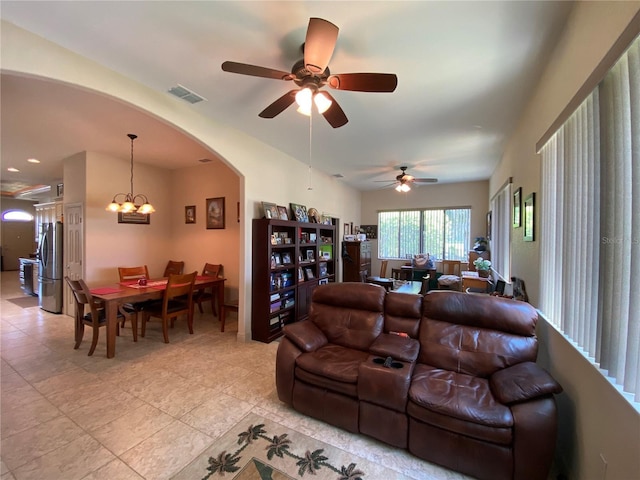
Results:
[179, 285]
[476, 334]
[383, 268]
[212, 270]
[173, 268]
[82, 296]
[133, 273]
[451, 267]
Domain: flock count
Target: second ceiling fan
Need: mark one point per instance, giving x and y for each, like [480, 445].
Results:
[312, 73]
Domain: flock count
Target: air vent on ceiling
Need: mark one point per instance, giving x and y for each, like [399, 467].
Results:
[186, 94]
[338, 175]
[205, 160]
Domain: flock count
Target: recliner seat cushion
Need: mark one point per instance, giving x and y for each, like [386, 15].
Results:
[331, 362]
[460, 403]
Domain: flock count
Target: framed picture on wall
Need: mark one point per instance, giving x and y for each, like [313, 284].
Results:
[517, 206]
[489, 215]
[133, 217]
[529, 217]
[190, 214]
[215, 213]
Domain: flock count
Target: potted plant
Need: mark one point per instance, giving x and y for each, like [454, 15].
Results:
[482, 266]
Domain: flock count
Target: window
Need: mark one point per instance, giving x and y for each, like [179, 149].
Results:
[17, 216]
[590, 226]
[443, 233]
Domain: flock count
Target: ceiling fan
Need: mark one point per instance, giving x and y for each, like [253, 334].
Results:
[312, 73]
[404, 181]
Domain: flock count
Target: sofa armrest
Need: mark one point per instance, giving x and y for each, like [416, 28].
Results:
[397, 347]
[305, 335]
[521, 382]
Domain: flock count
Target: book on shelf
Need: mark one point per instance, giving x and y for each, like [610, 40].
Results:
[275, 296]
[275, 306]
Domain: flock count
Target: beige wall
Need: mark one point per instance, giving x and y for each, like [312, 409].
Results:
[468, 194]
[595, 421]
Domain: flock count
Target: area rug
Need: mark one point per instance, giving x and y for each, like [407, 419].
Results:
[24, 302]
[260, 449]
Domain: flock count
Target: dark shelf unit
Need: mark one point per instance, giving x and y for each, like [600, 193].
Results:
[290, 259]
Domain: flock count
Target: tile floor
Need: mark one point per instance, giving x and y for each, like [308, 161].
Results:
[146, 413]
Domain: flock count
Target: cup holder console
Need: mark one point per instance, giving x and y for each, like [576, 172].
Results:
[387, 362]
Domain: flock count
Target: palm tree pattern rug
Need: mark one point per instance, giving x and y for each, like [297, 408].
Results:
[260, 449]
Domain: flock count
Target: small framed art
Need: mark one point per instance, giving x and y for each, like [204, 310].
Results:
[283, 213]
[134, 217]
[489, 215]
[517, 208]
[190, 214]
[529, 217]
[215, 213]
[270, 210]
[299, 212]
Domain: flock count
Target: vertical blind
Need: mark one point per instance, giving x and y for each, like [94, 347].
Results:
[501, 232]
[590, 222]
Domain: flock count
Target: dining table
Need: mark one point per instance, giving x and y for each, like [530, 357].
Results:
[114, 295]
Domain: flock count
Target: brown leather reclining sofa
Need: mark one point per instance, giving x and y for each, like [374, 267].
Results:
[462, 389]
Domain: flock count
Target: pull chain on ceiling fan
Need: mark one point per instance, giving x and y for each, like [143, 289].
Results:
[312, 73]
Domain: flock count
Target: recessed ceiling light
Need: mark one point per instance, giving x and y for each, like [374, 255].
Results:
[12, 169]
[33, 160]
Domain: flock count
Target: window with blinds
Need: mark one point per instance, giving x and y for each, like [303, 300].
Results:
[443, 233]
[590, 223]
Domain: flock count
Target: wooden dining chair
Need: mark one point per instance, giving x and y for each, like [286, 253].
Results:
[131, 310]
[451, 275]
[173, 268]
[383, 268]
[209, 294]
[95, 318]
[177, 300]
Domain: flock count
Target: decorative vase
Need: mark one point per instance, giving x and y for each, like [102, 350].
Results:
[483, 273]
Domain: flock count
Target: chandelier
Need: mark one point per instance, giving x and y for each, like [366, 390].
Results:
[131, 203]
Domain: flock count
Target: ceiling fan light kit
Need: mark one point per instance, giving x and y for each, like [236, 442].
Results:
[403, 181]
[312, 73]
[131, 203]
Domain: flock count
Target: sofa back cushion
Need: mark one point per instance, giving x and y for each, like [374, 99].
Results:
[402, 313]
[476, 334]
[349, 314]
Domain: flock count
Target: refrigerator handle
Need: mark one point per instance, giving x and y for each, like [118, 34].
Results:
[44, 250]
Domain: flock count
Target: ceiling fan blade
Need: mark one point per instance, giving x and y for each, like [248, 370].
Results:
[279, 106]
[334, 114]
[255, 71]
[364, 82]
[425, 180]
[319, 44]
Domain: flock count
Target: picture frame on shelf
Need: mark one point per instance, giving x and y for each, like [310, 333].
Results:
[529, 217]
[134, 217]
[311, 256]
[517, 208]
[309, 273]
[215, 213]
[286, 258]
[278, 259]
[300, 274]
[347, 229]
[190, 214]
[270, 210]
[322, 269]
[283, 213]
[299, 212]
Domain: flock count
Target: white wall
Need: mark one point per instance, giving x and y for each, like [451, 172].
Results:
[594, 419]
[469, 194]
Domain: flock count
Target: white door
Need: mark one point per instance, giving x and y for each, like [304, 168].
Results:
[73, 251]
[17, 242]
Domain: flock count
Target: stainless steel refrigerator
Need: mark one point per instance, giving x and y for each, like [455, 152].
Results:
[50, 275]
